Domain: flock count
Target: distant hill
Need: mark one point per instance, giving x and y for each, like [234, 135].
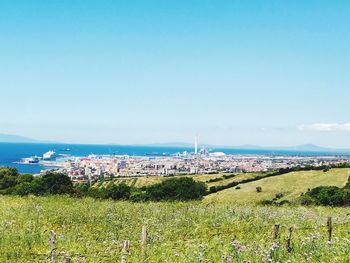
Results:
[11, 138]
[16, 138]
[305, 147]
[297, 148]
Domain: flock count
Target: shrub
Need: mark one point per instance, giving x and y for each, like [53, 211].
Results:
[327, 195]
[279, 195]
[306, 200]
[284, 202]
[347, 186]
[182, 189]
[213, 189]
[137, 195]
[52, 183]
[117, 192]
[7, 177]
[24, 178]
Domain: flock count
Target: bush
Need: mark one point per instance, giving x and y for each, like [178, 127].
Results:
[52, 183]
[213, 189]
[279, 195]
[306, 200]
[258, 189]
[284, 202]
[7, 177]
[182, 189]
[24, 178]
[118, 192]
[347, 186]
[326, 195]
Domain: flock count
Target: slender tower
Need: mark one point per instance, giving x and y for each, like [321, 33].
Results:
[196, 144]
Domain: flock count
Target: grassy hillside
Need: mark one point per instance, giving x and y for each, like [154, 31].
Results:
[93, 230]
[149, 180]
[291, 185]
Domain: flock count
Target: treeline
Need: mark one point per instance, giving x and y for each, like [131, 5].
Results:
[182, 189]
[11, 182]
[325, 168]
[327, 195]
[172, 189]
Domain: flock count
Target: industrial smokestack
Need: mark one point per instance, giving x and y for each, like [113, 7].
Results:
[196, 144]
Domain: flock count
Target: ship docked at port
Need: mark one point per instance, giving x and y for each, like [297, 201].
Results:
[48, 156]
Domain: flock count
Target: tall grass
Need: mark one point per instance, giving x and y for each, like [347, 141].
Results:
[91, 230]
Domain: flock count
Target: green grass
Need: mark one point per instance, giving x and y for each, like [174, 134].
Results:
[150, 180]
[90, 230]
[236, 178]
[291, 185]
[93, 230]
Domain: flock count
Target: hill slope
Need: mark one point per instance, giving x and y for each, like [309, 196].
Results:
[15, 138]
[291, 185]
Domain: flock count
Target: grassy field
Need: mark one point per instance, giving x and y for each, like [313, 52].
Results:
[149, 180]
[291, 185]
[93, 230]
[228, 226]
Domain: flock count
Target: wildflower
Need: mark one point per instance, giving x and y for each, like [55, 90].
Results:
[275, 246]
[237, 246]
[316, 236]
[347, 240]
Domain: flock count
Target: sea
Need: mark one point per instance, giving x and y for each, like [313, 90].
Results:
[10, 153]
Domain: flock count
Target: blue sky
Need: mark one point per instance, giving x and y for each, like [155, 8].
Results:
[235, 72]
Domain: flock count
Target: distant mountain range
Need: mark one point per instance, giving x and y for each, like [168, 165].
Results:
[297, 148]
[16, 138]
[10, 138]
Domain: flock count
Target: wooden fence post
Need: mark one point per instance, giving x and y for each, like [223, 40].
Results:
[289, 240]
[275, 232]
[52, 242]
[125, 251]
[330, 229]
[144, 243]
[67, 260]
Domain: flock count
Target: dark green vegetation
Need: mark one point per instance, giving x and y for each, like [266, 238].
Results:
[182, 189]
[11, 182]
[178, 188]
[328, 195]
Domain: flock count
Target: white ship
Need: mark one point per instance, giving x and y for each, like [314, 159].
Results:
[49, 155]
[30, 160]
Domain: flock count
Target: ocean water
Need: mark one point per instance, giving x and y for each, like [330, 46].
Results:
[14, 152]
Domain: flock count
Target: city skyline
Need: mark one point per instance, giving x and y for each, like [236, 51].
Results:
[263, 73]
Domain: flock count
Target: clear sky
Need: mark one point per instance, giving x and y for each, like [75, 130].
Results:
[235, 72]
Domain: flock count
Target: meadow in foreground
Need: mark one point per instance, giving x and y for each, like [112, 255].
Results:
[91, 230]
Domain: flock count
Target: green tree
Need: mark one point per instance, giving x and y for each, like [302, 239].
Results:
[183, 189]
[329, 195]
[7, 177]
[120, 191]
[52, 183]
